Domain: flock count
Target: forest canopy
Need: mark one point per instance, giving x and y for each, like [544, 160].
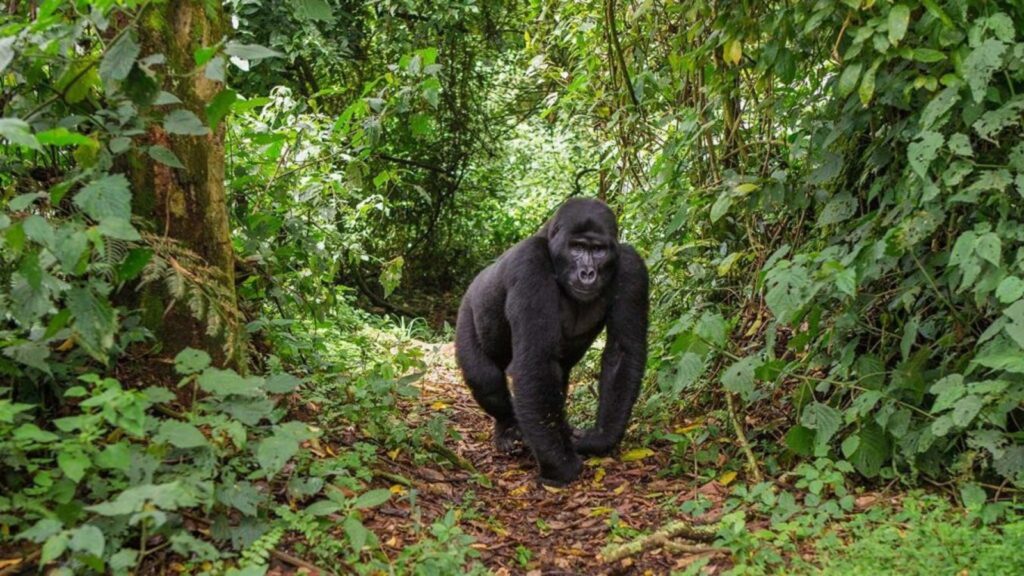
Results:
[234, 236]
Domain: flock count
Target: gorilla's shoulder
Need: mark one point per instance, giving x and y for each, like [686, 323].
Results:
[632, 267]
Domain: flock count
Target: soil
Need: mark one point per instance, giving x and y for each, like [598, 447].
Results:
[564, 530]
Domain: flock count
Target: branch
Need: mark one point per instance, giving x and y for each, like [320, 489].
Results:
[661, 539]
[741, 437]
[416, 163]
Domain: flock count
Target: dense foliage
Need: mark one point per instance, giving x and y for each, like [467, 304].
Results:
[198, 199]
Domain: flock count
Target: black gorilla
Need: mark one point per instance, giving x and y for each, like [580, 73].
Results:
[533, 314]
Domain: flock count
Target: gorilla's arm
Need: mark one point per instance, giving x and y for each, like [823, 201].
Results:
[539, 397]
[624, 358]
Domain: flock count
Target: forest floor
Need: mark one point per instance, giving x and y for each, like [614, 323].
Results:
[521, 527]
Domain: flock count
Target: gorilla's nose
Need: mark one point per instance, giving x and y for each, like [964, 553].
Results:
[587, 276]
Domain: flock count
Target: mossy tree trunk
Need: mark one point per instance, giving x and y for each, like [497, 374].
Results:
[187, 207]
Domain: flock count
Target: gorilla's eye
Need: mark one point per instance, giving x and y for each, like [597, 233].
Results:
[577, 249]
[599, 251]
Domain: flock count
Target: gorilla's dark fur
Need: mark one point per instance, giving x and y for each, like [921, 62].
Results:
[533, 314]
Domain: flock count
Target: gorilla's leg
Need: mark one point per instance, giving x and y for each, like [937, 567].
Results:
[487, 383]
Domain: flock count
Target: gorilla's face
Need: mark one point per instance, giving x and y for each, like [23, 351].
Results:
[584, 249]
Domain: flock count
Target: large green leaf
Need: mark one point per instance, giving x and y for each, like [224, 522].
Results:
[119, 59]
[180, 435]
[274, 452]
[95, 321]
[981, 64]
[739, 377]
[185, 123]
[107, 197]
[899, 19]
[823, 419]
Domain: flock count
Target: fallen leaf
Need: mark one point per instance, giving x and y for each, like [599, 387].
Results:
[727, 478]
[636, 454]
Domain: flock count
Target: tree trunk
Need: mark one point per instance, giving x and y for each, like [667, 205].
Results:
[187, 208]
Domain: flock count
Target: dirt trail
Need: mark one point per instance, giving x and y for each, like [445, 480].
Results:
[564, 530]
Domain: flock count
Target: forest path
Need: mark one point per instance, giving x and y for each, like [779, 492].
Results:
[521, 527]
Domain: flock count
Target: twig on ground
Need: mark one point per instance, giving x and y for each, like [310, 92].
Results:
[661, 539]
[299, 562]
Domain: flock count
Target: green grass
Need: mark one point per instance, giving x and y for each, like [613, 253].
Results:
[927, 536]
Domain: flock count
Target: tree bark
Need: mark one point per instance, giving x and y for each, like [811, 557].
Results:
[187, 208]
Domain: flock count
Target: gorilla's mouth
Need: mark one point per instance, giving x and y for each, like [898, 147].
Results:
[584, 293]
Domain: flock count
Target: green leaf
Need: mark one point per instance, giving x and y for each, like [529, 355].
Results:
[115, 457]
[721, 206]
[41, 530]
[169, 496]
[899, 19]
[134, 263]
[990, 248]
[739, 377]
[922, 152]
[31, 432]
[282, 383]
[928, 55]
[356, 533]
[966, 409]
[800, 440]
[850, 445]
[840, 207]
[867, 84]
[6, 51]
[55, 546]
[1010, 290]
[981, 64]
[120, 57]
[228, 382]
[711, 327]
[253, 52]
[274, 452]
[960, 145]
[935, 114]
[191, 361]
[788, 292]
[993, 122]
[73, 463]
[61, 136]
[107, 197]
[184, 122]
[372, 498]
[88, 539]
[180, 435]
[17, 131]
[220, 106]
[164, 156]
[823, 419]
[689, 368]
[848, 79]
[947, 390]
[119, 229]
[973, 496]
[872, 450]
[313, 10]
[95, 321]
[322, 508]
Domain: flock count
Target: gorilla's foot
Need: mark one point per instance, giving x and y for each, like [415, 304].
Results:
[507, 437]
[591, 442]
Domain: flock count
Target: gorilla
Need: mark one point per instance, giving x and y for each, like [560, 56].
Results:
[532, 314]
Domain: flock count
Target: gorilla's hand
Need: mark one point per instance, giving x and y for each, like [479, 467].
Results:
[563, 473]
[591, 442]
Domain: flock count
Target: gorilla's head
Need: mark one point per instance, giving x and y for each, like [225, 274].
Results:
[583, 242]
